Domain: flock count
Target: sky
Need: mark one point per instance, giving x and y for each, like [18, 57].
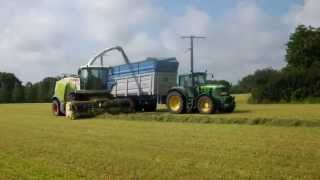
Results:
[40, 38]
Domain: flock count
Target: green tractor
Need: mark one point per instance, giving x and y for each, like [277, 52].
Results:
[194, 94]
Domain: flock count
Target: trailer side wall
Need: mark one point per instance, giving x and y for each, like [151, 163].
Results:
[155, 77]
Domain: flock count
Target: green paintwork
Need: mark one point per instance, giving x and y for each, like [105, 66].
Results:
[64, 87]
[219, 93]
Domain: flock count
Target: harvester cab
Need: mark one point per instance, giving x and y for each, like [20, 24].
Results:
[94, 78]
[195, 94]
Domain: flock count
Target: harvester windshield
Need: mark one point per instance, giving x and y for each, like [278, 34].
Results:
[93, 78]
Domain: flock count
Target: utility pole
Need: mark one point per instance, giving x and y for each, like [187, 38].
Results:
[192, 37]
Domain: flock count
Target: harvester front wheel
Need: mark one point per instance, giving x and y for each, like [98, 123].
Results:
[176, 103]
[56, 108]
[205, 105]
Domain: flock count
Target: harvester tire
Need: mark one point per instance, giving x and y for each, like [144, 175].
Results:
[56, 108]
[176, 102]
[206, 105]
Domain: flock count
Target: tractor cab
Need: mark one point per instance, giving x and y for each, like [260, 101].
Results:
[201, 85]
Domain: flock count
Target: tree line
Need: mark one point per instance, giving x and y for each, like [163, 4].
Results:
[298, 81]
[13, 91]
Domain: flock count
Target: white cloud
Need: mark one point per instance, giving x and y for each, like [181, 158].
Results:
[242, 41]
[308, 14]
[42, 38]
[50, 37]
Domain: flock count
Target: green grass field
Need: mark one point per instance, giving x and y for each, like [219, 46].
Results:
[36, 145]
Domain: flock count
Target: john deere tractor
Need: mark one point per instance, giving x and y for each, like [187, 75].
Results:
[194, 94]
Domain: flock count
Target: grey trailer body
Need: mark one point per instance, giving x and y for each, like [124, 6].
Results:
[155, 84]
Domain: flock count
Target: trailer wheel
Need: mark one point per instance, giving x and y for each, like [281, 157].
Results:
[131, 106]
[151, 107]
[138, 107]
[205, 105]
[56, 108]
[176, 102]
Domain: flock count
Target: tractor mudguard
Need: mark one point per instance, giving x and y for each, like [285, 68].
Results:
[181, 90]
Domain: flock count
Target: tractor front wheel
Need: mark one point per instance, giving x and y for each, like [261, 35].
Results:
[176, 102]
[205, 105]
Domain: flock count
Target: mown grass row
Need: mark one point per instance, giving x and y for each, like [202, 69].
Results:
[292, 115]
[164, 117]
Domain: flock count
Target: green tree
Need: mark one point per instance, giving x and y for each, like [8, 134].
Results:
[256, 80]
[28, 93]
[303, 48]
[17, 93]
[4, 93]
[45, 89]
[7, 82]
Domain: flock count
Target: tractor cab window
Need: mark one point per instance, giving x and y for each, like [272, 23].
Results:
[186, 80]
[199, 79]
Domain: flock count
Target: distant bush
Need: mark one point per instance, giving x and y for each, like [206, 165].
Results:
[299, 81]
[13, 91]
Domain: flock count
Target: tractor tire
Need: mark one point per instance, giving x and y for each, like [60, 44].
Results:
[56, 108]
[176, 102]
[206, 105]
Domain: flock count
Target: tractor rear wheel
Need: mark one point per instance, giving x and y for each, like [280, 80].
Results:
[205, 105]
[56, 108]
[176, 102]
